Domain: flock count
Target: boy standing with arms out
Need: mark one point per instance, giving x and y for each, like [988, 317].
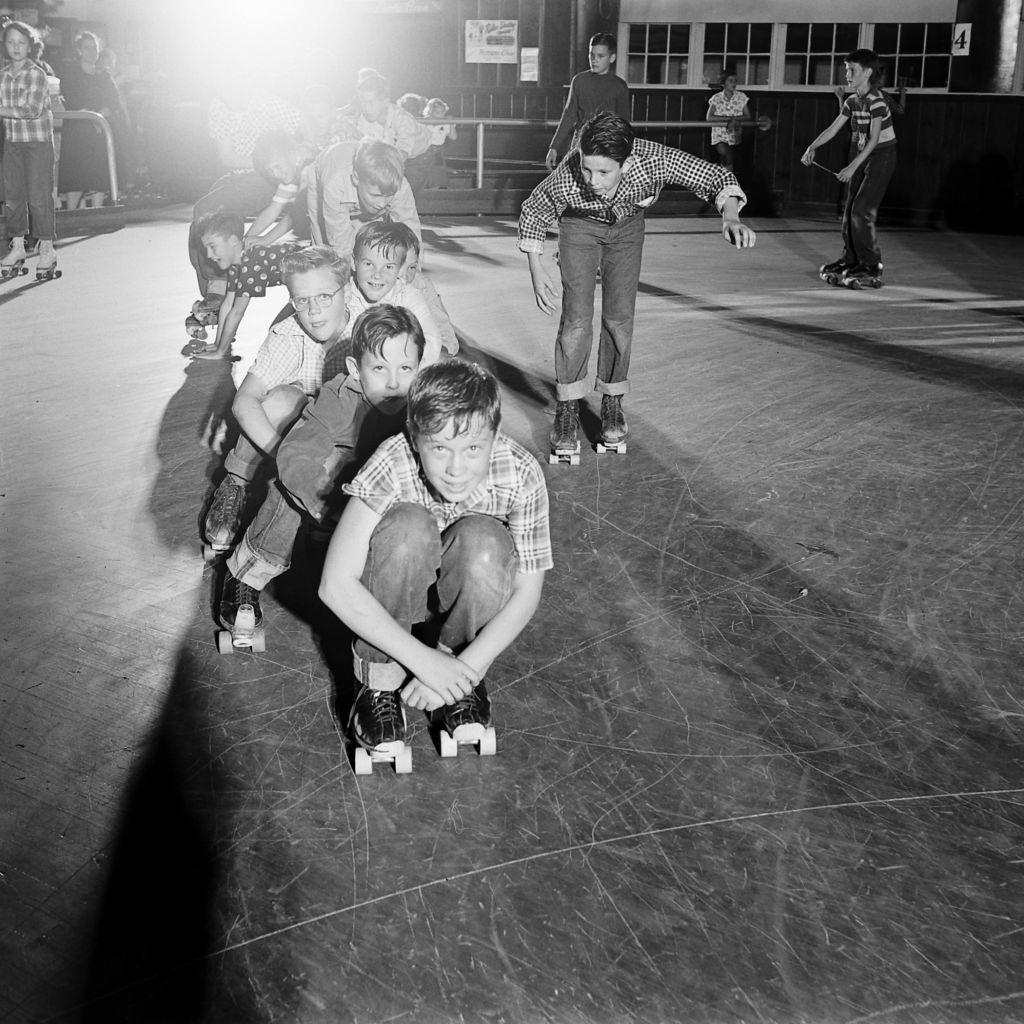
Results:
[590, 92]
[868, 174]
[338, 431]
[598, 195]
[446, 523]
[288, 370]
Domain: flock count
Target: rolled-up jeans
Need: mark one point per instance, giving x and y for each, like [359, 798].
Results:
[584, 245]
[461, 577]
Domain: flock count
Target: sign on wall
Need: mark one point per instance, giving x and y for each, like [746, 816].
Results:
[962, 39]
[492, 42]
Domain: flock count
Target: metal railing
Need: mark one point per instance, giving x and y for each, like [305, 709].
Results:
[482, 123]
[92, 115]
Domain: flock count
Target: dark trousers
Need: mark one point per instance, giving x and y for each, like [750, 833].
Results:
[865, 195]
[28, 188]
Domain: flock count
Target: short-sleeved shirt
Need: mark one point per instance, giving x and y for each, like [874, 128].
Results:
[289, 355]
[27, 92]
[653, 166]
[722, 106]
[514, 492]
[862, 110]
[259, 270]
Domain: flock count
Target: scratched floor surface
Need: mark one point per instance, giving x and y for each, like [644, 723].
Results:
[760, 752]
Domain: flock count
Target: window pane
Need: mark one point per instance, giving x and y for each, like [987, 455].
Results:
[796, 38]
[794, 72]
[677, 70]
[636, 69]
[637, 38]
[912, 38]
[655, 70]
[761, 37]
[679, 39]
[714, 38]
[737, 36]
[739, 65]
[657, 38]
[885, 38]
[819, 71]
[910, 69]
[821, 39]
[936, 72]
[757, 71]
[939, 39]
[712, 70]
[846, 38]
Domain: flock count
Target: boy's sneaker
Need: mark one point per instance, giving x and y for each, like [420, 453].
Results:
[466, 721]
[378, 721]
[241, 616]
[564, 436]
[224, 517]
[614, 429]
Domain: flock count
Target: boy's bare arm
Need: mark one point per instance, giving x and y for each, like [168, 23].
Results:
[253, 421]
[545, 291]
[342, 590]
[232, 310]
[507, 624]
[826, 136]
[267, 216]
[874, 133]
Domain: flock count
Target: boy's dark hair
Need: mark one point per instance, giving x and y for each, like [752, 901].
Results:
[381, 323]
[386, 237]
[866, 59]
[406, 233]
[605, 39]
[316, 257]
[453, 393]
[377, 163]
[607, 134]
[412, 102]
[270, 145]
[222, 223]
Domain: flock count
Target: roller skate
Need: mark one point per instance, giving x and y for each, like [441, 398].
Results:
[614, 429]
[241, 616]
[204, 314]
[13, 264]
[465, 723]
[46, 268]
[832, 273]
[862, 275]
[378, 726]
[223, 519]
[564, 436]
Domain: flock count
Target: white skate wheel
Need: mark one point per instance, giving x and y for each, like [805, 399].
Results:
[362, 762]
[259, 641]
[449, 745]
[488, 743]
[209, 553]
[224, 642]
[403, 762]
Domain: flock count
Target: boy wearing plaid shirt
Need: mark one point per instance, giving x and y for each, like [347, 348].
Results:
[446, 524]
[598, 195]
[27, 151]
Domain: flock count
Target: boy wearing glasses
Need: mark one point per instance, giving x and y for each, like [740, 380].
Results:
[288, 370]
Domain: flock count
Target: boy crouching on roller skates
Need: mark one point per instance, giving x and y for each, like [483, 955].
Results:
[338, 431]
[868, 174]
[294, 360]
[446, 525]
[598, 194]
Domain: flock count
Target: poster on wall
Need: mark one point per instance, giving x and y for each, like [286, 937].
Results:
[529, 58]
[491, 42]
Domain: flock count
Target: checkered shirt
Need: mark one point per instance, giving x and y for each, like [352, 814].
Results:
[514, 493]
[654, 166]
[28, 94]
[289, 355]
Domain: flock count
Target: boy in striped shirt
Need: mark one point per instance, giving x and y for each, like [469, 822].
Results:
[868, 173]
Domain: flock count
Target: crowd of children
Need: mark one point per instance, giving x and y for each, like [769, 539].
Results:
[372, 434]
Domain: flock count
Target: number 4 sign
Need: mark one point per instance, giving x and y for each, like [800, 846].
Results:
[962, 39]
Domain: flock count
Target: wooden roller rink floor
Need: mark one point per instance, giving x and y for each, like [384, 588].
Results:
[759, 753]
